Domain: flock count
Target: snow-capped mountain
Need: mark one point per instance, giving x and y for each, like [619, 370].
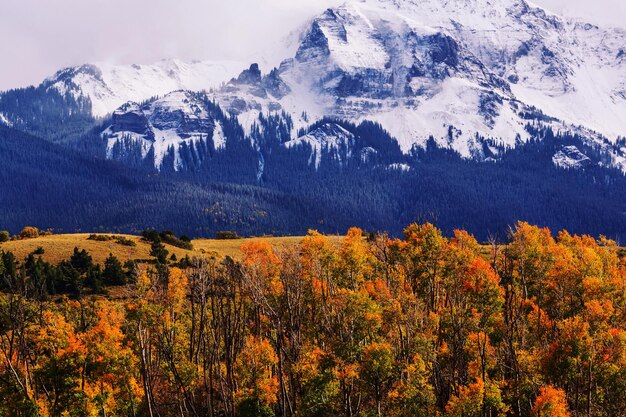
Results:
[109, 86]
[448, 69]
[474, 113]
[446, 62]
[464, 72]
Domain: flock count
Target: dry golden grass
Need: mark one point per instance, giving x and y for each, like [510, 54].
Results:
[60, 247]
[232, 247]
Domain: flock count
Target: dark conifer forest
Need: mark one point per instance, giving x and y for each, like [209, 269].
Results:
[72, 187]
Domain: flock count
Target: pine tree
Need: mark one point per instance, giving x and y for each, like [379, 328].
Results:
[158, 251]
[113, 273]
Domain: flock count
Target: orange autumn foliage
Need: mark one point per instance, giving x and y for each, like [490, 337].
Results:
[424, 326]
[550, 403]
[255, 367]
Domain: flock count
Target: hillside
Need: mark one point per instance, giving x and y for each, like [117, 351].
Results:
[60, 247]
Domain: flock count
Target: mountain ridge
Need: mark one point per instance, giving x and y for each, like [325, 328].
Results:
[381, 116]
[421, 69]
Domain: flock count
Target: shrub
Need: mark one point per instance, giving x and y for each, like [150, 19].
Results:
[167, 236]
[100, 238]
[151, 235]
[227, 235]
[121, 240]
[131, 271]
[29, 232]
[4, 236]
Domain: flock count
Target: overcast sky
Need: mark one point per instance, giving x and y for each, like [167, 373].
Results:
[38, 37]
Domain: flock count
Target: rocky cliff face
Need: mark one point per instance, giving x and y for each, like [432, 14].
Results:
[159, 128]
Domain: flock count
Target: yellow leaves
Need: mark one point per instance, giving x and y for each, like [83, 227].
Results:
[592, 262]
[259, 254]
[354, 259]
[378, 356]
[42, 406]
[319, 287]
[599, 312]
[318, 245]
[481, 353]
[347, 372]
[373, 319]
[574, 330]
[550, 403]
[108, 359]
[177, 289]
[538, 319]
[572, 348]
[308, 365]
[143, 280]
[378, 289]
[104, 340]
[481, 277]
[443, 349]
[563, 271]
[533, 236]
[412, 395]
[318, 256]
[473, 399]
[465, 242]
[468, 401]
[531, 248]
[57, 336]
[425, 234]
[612, 349]
[92, 362]
[254, 370]
[361, 322]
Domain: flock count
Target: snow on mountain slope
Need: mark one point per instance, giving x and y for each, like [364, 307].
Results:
[252, 93]
[570, 157]
[161, 127]
[572, 71]
[460, 71]
[330, 139]
[109, 86]
[4, 120]
[449, 69]
[367, 60]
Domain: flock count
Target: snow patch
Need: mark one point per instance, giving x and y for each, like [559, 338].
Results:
[570, 157]
[5, 121]
[400, 167]
[330, 138]
[219, 140]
